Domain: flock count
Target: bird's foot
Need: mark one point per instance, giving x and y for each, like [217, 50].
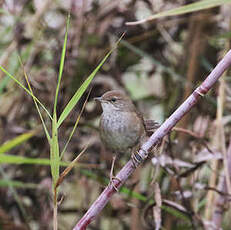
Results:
[113, 184]
[137, 158]
[112, 177]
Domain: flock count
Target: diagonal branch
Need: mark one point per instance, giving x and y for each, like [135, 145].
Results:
[156, 137]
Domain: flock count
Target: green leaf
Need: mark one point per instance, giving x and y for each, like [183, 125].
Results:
[196, 6]
[175, 212]
[61, 65]
[22, 86]
[74, 100]
[75, 126]
[54, 147]
[131, 193]
[17, 184]
[7, 146]
[12, 159]
[54, 151]
[35, 102]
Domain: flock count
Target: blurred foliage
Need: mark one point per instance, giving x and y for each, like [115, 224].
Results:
[158, 64]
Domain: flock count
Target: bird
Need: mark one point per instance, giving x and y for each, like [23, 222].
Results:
[122, 128]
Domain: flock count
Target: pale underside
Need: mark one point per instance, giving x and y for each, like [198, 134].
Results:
[120, 130]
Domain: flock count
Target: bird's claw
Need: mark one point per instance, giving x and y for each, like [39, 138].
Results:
[112, 182]
[137, 158]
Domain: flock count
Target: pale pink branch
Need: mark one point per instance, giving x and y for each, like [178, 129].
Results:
[156, 137]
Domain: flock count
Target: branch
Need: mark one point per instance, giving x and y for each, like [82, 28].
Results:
[156, 137]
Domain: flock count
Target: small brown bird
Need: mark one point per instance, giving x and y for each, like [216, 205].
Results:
[122, 128]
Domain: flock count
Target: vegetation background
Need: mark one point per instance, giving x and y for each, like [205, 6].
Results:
[158, 64]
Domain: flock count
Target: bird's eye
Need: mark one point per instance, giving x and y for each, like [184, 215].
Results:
[113, 99]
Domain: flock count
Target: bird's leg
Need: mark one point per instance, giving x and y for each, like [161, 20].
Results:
[112, 177]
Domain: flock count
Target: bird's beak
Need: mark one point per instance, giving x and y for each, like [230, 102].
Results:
[98, 99]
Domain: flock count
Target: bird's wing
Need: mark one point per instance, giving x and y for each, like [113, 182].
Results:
[151, 125]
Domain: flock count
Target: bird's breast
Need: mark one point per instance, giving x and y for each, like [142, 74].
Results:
[120, 130]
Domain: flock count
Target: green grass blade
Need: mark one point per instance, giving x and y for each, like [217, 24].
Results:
[17, 184]
[13, 65]
[7, 146]
[55, 160]
[23, 87]
[75, 126]
[54, 147]
[12, 159]
[200, 5]
[61, 65]
[74, 100]
[35, 102]
[174, 212]
[196, 6]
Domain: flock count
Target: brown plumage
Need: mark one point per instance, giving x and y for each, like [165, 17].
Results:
[121, 127]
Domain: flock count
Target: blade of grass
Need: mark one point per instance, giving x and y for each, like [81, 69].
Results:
[35, 102]
[23, 87]
[54, 142]
[176, 213]
[75, 126]
[83, 87]
[11, 54]
[196, 6]
[12, 159]
[61, 65]
[17, 184]
[54, 156]
[55, 164]
[54, 145]
[8, 145]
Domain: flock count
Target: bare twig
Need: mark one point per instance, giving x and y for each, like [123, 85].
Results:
[156, 137]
